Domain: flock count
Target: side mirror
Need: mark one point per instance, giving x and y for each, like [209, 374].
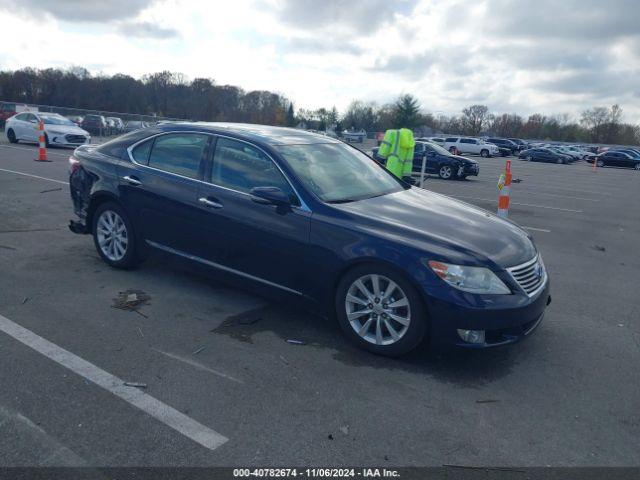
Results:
[269, 196]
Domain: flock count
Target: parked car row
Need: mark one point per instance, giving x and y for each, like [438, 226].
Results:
[438, 161]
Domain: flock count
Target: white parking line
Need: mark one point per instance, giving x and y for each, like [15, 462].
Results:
[34, 176]
[536, 229]
[148, 404]
[197, 365]
[516, 203]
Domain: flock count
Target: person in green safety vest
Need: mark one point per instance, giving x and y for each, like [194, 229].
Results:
[397, 149]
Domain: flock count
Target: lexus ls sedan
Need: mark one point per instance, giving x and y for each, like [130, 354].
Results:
[315, 219]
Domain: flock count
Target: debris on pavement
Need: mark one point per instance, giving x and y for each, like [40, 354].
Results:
[284, 360]
[489, 400]
[140, 332]
[516, 180]
[599, 248]
[296, 342]
[345, 429]
[52, 190]
[131, 300]
[25, 300]
[330, 436]
[135, 384]
[7, 247]
[198, 350]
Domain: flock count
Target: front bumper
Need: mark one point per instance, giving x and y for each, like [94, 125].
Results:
[68, 140]
[508, 320]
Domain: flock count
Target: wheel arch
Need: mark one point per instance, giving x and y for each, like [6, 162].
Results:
[363, 261]
[99, 198]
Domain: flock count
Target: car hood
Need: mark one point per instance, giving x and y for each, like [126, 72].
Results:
[66, 129]
[449, 229]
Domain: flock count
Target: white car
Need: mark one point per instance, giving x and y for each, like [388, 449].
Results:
[474, 146]
[58, 130]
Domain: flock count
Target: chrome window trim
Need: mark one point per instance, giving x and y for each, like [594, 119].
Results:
[524, 265]
[220, 267]
[303, 206]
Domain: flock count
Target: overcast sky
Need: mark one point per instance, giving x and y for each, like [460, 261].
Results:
[547, 56]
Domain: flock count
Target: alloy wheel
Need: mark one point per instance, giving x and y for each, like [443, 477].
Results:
[445, 172]
[112, 235]
[377, 309]
[637, 167]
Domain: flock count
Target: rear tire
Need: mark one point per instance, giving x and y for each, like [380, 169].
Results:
[637, 166]
[11, 136]
[373, 331]
[114, 236]
[484, 153]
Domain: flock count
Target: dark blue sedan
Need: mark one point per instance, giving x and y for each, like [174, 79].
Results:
[317, 220]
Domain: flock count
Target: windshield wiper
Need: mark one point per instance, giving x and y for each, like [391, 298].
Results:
[343, 200]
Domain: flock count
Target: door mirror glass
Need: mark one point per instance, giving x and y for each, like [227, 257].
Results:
[269, 196]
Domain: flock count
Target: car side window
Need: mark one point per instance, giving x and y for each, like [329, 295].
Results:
[179, 153]
[141, 153]
[239, 166]
[466, 140]
[451, 140]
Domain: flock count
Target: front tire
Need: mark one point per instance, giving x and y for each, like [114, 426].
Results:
[599, 163]
[11, 136]
[113, 236]
[445, 172]
[380, 311]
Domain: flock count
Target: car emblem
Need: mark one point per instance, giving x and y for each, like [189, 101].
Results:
[537, 270]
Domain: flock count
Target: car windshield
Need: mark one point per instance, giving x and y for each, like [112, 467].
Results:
[55, 120]
[337, 173]
[438, 149]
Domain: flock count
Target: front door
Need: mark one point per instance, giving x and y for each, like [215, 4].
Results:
[266, 242]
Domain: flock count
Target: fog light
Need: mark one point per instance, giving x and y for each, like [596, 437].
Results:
[472, 336]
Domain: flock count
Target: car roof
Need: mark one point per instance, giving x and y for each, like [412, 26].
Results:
[253, 132]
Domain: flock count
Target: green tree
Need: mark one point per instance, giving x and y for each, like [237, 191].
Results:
[407, 112]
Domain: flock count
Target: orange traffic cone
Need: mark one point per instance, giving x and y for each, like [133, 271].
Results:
[42, 150]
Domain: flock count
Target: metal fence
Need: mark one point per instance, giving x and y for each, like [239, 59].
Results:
[98, 130]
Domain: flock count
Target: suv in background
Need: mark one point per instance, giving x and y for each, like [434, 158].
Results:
[473, 146]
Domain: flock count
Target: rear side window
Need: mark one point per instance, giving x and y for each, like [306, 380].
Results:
[141, 153]
[241, 167]
[467, 140]
[451, 139]
[178, 153]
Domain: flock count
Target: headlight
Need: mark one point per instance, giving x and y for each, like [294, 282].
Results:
[469, 279]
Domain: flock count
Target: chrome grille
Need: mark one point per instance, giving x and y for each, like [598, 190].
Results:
[530, 276]
[75, 138]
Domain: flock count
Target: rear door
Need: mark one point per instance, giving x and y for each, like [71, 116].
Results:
[268, 243]
[160, 187]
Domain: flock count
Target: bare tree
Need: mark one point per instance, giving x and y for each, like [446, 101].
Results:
[475, 118]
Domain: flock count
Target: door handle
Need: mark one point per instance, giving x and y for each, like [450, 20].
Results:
[132, 181]
[210, 203]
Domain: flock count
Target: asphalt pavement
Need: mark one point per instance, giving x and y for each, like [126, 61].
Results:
[215, 358]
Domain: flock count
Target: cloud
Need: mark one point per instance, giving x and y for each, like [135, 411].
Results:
[78, 10]
[360, 16]
[595, 84]
[147, 30]
[587, 20]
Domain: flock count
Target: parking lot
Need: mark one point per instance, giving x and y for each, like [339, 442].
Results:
[224, 387]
